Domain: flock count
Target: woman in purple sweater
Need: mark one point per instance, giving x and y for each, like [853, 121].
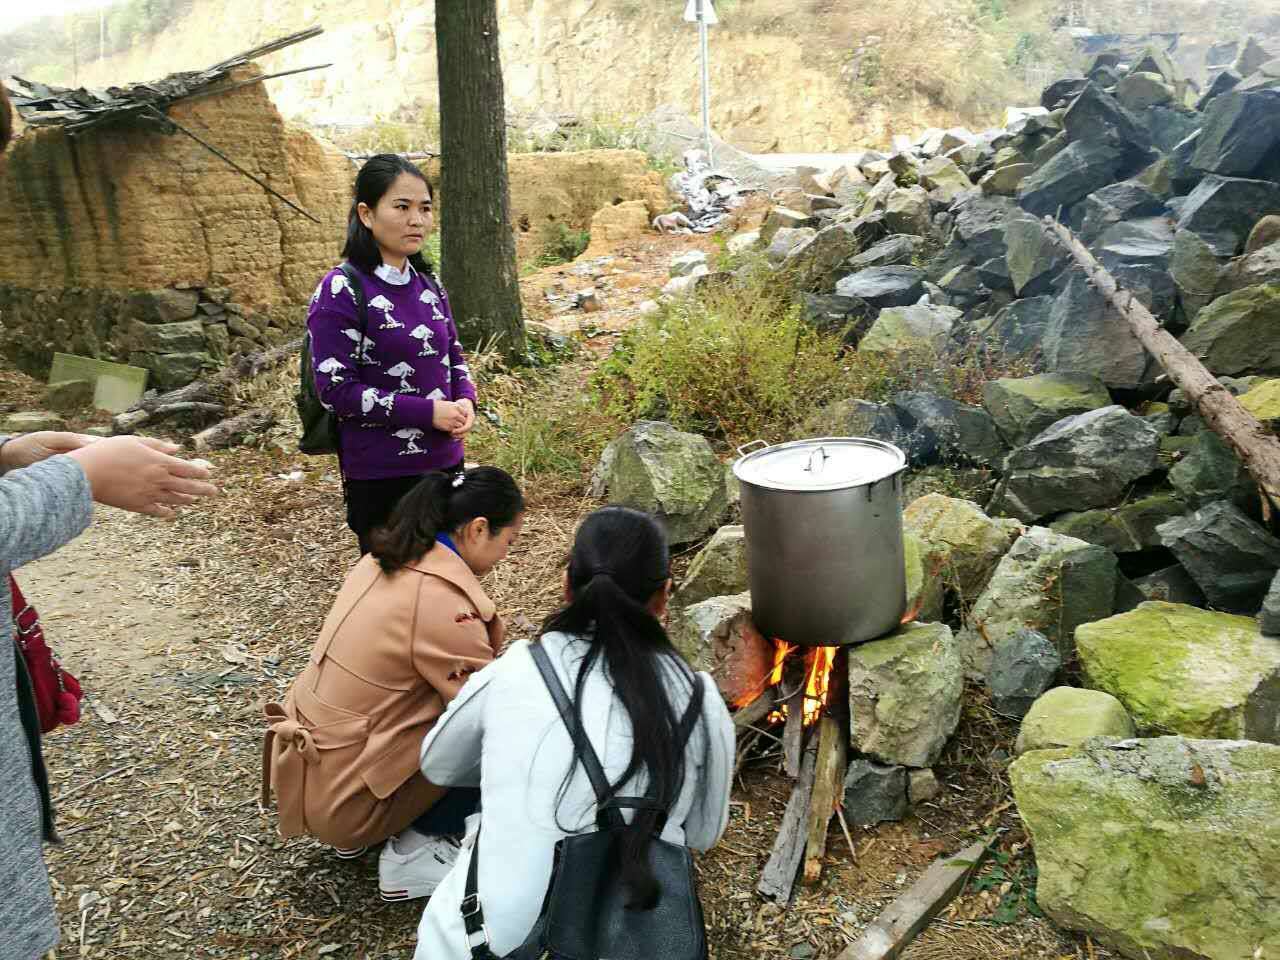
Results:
[402, 391]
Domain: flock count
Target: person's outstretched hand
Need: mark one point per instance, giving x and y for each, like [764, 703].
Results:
[31, 448]
[142, 476]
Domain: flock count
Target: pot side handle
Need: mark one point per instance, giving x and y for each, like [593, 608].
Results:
[746, 447]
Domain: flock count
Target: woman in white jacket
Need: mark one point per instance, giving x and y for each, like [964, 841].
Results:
[629, 688]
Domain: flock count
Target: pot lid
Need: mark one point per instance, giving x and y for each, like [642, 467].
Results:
[824, 463]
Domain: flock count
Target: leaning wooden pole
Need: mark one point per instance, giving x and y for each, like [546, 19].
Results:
[1256, 446]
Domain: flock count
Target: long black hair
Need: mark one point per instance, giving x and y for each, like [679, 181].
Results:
[372, 182]
[619, 561]
[440, 503]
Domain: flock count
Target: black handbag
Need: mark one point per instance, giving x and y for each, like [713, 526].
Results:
[319, 423]
[584, 914]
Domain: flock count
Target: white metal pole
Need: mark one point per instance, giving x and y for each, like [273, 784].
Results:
[706, 81]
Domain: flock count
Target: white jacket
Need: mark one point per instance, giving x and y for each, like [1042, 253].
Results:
[503, 733]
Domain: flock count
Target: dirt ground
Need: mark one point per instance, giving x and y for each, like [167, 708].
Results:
[180, 633]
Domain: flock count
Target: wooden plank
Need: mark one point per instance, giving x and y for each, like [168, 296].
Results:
[832, 751]
[898, 925]
[779, 875]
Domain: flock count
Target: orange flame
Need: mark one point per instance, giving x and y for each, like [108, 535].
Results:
[817, 683]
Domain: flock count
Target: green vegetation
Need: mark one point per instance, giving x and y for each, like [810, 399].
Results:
[558, 243]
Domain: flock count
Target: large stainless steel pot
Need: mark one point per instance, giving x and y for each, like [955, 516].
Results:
[823, 523]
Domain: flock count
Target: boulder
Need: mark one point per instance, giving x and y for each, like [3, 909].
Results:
[30, 421]
[900, 329]
[717, 635]
[1172, 585]
[1139, 90]
[1034, 260]
[742, 242]
[1180, 669]
[1209, 470]
[1087, 336]
[719, 569]
[1070, 176]
[163, 306]
[878, 195]
[1127, 200]
[922, 786]
[1061, 92]
[787, 240]
[683, 264]
[1024, 408]
[1239, 132]
[1023, 666]
[1261, 266]
[1020, 327]
[907, 211]
[1164, 849]
[960, 545]
[832, 313]
[1269, 615]
[1096, 117]
[183, 336]
[1087, 460]
[1138, 253]
[981, 227]
[1128, 528]
[1224, 82]
[1263, 401]
[1065, 717]
[673, 475]
[69, 396]
[172, 370]
[960, 432]
[1169, 125]
[924, 592]
[1230, 556]
[1195, 272]
[943, 174]
[824, 259]
[1046, 582]
[873, 793]
[897, 250]
[782, 218]
[852, 418]
[1007, 180]
[904, 694]
[1049, 149]
[1251, 57]
[884, 286]
[1240, 332]
[1222, 210]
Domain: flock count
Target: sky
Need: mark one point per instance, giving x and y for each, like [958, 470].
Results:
[14, 13]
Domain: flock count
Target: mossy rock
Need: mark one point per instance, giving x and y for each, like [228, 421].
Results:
[1065, 717]
[960, 545]
[1180, 669]
[1166, 849]
[1240, 332]
[1263, 401]
[1024, 407]
[719, 569]
[1128, 528]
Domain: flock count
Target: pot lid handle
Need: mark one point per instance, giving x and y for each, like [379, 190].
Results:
[746, 447]
[821, 463]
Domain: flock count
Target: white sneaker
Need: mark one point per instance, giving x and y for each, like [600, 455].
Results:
[417, 873]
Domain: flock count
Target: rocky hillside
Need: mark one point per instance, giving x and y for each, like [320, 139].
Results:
[822, 76]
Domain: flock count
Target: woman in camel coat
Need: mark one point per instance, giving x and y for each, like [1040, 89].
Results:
[409, 626]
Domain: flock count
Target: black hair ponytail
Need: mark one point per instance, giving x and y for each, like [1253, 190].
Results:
[619, 562]
[441, 503]
[372, 182]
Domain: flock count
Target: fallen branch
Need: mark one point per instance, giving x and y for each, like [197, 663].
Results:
[211, 396]
[779, 875]
[1257, 448]
[828, 780]
[910, 913]
[230, 432]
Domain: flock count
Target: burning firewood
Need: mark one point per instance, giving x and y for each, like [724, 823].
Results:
[832, 752]
[779, 876]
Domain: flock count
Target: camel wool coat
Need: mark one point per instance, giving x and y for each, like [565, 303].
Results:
[342, 749]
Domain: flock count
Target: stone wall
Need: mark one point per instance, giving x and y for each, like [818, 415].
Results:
[115, 232]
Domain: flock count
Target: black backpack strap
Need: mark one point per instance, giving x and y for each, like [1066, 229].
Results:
[472, 912]
[362, 308]
[581, 744]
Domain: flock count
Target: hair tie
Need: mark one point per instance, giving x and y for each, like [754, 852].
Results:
[458, 480]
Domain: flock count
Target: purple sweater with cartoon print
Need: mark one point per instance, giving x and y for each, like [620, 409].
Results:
[384, 396]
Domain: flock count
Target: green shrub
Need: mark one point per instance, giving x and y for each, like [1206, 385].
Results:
[558, 243]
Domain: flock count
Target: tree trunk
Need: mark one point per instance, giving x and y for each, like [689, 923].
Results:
[1256, 446]
[478, 247]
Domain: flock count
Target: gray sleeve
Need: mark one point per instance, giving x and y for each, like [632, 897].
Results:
[709, 814]
[41, 508]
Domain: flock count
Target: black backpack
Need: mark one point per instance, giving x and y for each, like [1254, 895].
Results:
[320, 424]
[584, 914]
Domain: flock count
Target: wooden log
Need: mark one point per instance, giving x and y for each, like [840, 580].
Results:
[756, 710]
[793, 733]
[779, 875]
[230, 432]
[898, 925]
[1256, 446]
[833, 752]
